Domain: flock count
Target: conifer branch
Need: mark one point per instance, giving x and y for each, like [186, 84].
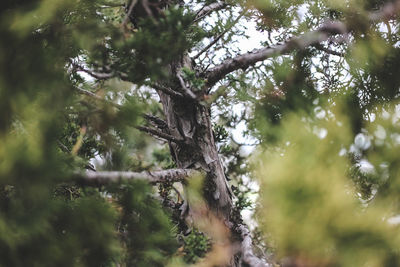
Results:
[327, 30]
[248, 59]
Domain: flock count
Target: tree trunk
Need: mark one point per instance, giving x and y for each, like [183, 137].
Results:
[192, 146]
[190, 121]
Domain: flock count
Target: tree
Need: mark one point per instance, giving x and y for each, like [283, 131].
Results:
[90, 81]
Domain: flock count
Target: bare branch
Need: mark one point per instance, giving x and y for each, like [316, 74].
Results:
[63, 147]
[92, 178]
[159, 134]
[209, 9]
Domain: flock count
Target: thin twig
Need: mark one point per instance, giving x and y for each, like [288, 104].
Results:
[128, 14]
[329, 51]
[178, 193]
[94, 96]
[220, 35]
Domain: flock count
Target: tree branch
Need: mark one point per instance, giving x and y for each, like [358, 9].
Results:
[296, 43]
[248, 59]
[209, 9]
[187, 91]
[159, 122]
[159, 134]
[329, 51]
[128, 14]
[94, 96]
[166, 90]
[156, 121]
[98, 76]
[91, 178]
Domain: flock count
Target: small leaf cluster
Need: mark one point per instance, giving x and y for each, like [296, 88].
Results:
[196, 245]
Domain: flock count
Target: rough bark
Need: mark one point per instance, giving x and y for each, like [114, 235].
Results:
[190, 121]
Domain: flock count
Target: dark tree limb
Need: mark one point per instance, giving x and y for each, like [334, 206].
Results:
[156, 121]
[166, 90]
[96, 75]
[159, 122]
[160, 134]
[91, 178]
[129, 13]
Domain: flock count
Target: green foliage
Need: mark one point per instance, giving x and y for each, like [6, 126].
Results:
[45, 220]
[196, 245]
[143, 226]
[162, 158]
[311, 208]
[196, 83]
[241, 193]
[220, 133]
